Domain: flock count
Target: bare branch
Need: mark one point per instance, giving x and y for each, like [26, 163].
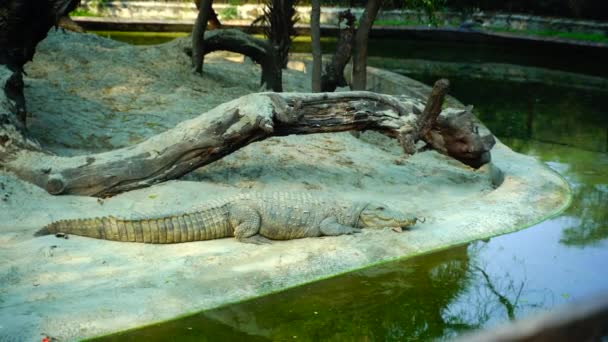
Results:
[260, 51]
[207, 138]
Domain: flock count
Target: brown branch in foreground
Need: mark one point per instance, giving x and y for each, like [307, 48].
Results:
[428, 118]
[434, 105]
[207, 138]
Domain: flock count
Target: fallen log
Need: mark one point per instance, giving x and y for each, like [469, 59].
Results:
[213, 135]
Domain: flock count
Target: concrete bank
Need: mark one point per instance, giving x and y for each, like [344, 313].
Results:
[89, 94]
[329, 15]
[469, 39]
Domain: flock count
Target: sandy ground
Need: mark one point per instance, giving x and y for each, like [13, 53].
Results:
[91, 94]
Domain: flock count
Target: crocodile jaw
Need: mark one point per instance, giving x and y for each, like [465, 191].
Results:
[377, 215]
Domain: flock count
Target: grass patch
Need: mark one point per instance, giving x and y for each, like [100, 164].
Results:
[228, 13]
[580, 36]
[398, 23]
[82, 12]
[307, 39]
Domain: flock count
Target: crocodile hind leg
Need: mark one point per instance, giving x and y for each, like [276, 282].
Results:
[331, 227]
[246, 221]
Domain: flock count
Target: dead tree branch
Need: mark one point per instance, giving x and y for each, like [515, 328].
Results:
[260, 51]
[204, 139]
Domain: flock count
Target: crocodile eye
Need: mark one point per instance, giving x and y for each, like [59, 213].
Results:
[380, 208]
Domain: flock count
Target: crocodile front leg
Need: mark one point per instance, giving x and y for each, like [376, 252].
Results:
[246, 223]
[331, 227]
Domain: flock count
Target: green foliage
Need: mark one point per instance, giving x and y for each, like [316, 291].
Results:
[228, 13]
[82, 12]
[396, 22]
[428, 7]
[590, 9]
[278, 22]
[141, 38]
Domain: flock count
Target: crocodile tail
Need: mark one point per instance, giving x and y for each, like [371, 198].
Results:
[91, 227]
[171, 229]
[43, 231]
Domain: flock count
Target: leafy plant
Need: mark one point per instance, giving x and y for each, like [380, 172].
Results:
[228, 13]
[278, 22]
[428, 7]
[83, 12]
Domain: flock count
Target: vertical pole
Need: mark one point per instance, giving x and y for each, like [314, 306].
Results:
[317, 56]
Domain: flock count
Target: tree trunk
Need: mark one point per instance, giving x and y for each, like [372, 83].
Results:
[24, 23]
[280, 17]
[198, 32]
[317, 54]
[260, 51]
[359, 79]
[213, 22]
[211, 136]
[333, 74]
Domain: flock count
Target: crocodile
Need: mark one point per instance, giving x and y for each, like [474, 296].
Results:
[251, 217]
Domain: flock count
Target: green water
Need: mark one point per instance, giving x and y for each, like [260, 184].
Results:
[478, 285]
[141, 38]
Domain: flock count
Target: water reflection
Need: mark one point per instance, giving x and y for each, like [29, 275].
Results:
[404, 300]
[493, 296]
[592, 224]
[384, 303]
[587, 174]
